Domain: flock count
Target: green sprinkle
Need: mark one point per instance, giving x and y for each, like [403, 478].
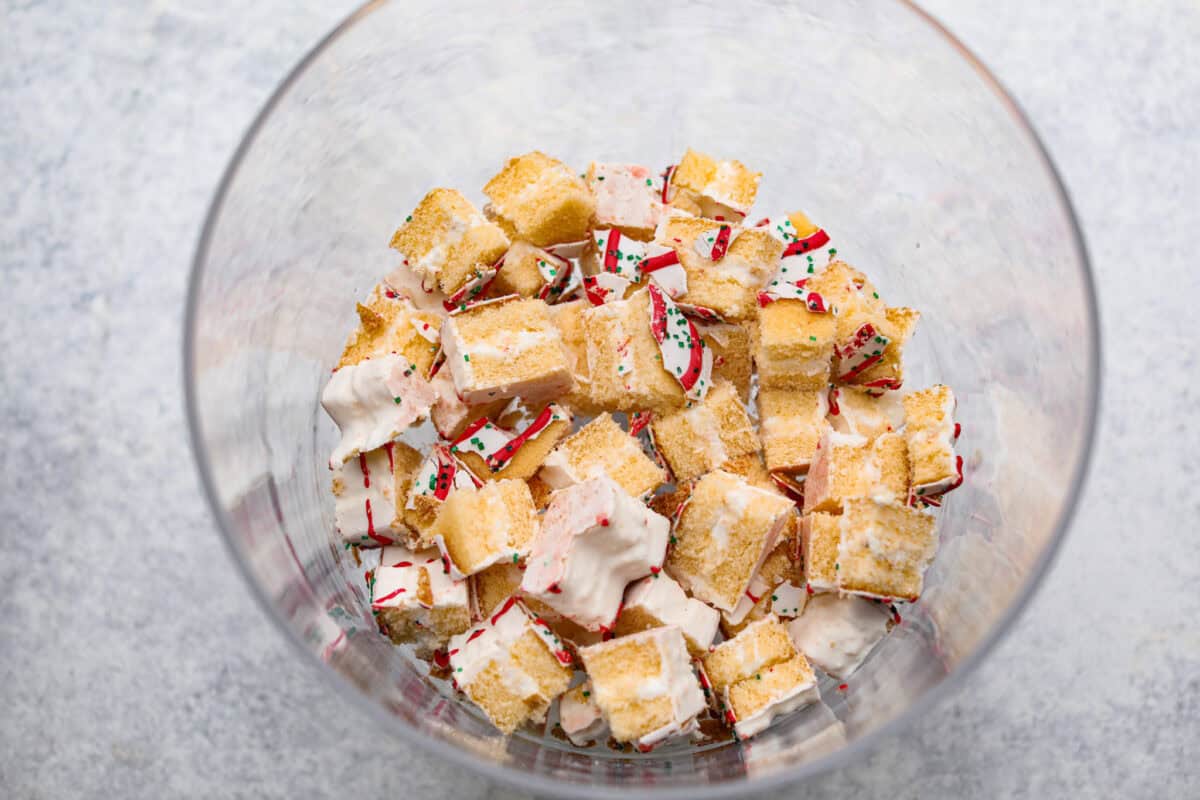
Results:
[875, 295]
[587, 694]
[514, 558]
[396, 400]
[649, 182]
[812, 338]
[408, 218]
[599, 177]
[466, 357]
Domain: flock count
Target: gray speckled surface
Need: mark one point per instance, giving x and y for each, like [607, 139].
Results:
[133, 662]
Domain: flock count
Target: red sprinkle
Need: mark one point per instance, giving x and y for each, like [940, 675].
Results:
[843, 687]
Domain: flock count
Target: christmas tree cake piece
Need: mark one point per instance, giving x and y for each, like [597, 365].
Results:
[539, 199]
[568, 317]
[732, 360]
[657, 601]
[643, 354]
[447, 243]
[873, 355]
[723, 533]
[531, 271]
[725, 265]
[820, 536]
[793, 344]
[777, 587]
[884, 548]
[476, 528]
[602, 447]
[414, 599]
[614, 265]
[387, 324]
[627, 198]
[506, 348]
[370, 492]
[594, 540]
[494, 452]
[510, 666]
[373, 402]
[580, 716]
[930, 433]
[758, 675]
[704, 186]
[838, 633]
[865, 412]
[791, 423]
[807, 248]
[645, 686]
[701, 438]
[848, 466]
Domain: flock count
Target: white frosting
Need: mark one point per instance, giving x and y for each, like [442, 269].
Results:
[407, 284]
[679, 344]
[448, 411]
[863, 349]
[664, 599]
[491, 642]
[594, 539]
[787, 701]
[580, 717]
[373, 402]
[940, 436]
[365, 506]
[880, 412]
[789, 600]
[626, 195]
[496, 446]
[837, 633]
[705, 431]
[672, 278]
[806, 366]
[733, 507]
[558, 472]
[424, 483]
[606, 287]
[786, 600]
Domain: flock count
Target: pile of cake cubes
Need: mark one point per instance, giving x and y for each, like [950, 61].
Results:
[675, 473]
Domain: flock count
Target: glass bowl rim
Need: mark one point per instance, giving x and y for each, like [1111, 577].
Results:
[538, 784]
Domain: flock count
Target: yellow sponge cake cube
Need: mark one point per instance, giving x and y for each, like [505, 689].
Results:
[446, 241]
[540, 200]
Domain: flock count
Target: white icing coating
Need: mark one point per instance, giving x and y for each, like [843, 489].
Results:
[594, 539]
[883, 411]
[490, 643]
[429, 333]
[558, 472]
[496, 446]
[863, 349]
[789, 600]
[407, 284]
[838, 633]
[365, 506]
[504, 345]
[940, 436]
[617, 254]
[626, 195]
[785, 702]
[580, 717]
[733, 507]
[373, 402]
[705, 428]
[661, 597]
[605, 287]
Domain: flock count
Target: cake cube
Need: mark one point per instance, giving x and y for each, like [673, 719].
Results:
[657, 601]
[849, 466]
[493, 452]
[595, 538]
[614, 265]
[849, 291]
[777, 587]
[491, 587]
[439, 475]
[873, 355]
[446, 241]
[373, 402]
[370, 492]
[756, 647]
[480, 527]
[820, 536]
[727, 284]
[700, 439]
[791, 423]
[702, 185]
[645, 686]
[602, 447]
[509, 666]
[930, 433]
[725, 530]
[884, 549]
[388, 323]
[414, 599]
[531, 271]
[506, 349]
[750, 466]
[864, 412]
[672, 501]
[732, 361]
[838, 633]
[450, 413]
[793, 346]
[631, 368]
[626, 198]
[569, 319]
[580, 717]
[540, 200]
[780, 689]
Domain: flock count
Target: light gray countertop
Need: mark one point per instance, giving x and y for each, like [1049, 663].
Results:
[133, 661]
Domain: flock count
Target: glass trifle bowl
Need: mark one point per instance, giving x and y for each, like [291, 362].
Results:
[867, 115]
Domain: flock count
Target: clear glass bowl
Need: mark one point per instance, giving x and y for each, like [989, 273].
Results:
[867, 115]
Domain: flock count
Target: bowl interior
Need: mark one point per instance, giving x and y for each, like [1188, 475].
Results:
[866, 116]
